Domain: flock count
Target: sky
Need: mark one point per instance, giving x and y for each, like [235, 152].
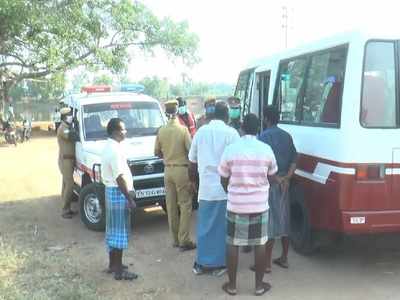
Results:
[233, 33]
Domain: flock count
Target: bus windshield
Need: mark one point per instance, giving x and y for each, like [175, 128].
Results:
[140, 118]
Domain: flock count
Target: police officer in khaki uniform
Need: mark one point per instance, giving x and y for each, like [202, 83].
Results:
[173, 144]
[66, 160]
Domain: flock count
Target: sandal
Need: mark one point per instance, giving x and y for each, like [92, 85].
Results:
[68, 214]
[261, 291]
[187, 247]
[280, 262]
[125, 275]
[266, 271]
[226, 289]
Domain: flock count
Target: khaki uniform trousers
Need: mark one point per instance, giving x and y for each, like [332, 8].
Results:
[67, 169]
[179, 203]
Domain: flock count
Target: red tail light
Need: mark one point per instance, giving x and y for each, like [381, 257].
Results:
[370, 172]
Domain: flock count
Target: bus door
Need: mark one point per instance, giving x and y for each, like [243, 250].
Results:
[380, 111]
[244, 89]
[263, 80]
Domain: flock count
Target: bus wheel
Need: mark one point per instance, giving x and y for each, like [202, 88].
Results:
[92, 207]
[301, 236]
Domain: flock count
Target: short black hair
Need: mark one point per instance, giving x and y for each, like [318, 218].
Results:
[233, 101]
[250, 124]
[271, 113]
[113, 125]
[221, 111]
[181, 101]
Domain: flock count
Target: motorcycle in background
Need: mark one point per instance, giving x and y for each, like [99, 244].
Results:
[10, 133]
[25, 134]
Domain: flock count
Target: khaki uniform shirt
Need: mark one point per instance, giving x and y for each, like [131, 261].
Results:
[65, 144]
[173, 143]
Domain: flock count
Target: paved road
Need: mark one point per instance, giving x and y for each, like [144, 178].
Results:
[360, 268]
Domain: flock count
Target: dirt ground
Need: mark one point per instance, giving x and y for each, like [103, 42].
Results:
[43, 256]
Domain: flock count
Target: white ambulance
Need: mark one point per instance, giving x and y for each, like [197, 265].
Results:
[143, 116]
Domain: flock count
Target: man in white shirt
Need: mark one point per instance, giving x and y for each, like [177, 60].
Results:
[118, 180]
[205, 154]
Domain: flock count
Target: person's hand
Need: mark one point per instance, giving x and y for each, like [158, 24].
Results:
[131, 204]
[284, 184]
[193, 187]
[279, 179]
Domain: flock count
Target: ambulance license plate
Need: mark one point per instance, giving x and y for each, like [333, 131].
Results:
[147, 193]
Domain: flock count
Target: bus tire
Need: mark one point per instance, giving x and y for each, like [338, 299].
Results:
[92, 206]
[301, 235]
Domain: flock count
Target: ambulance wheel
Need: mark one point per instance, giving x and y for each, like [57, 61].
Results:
[301, 235]
[92, 207]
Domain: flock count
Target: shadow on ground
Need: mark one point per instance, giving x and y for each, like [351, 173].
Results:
[49, 257]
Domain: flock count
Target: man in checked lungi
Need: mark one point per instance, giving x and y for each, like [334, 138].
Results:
[119, 196]
[205, 154]
[245, 169]
[285, 153]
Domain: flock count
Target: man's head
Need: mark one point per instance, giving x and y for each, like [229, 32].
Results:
[182, 108]
[271, 116]
[234, 108]
[250, 124]
[171, 108]
[66, 114]
[221, 111]
[209, 106]
[116, 129]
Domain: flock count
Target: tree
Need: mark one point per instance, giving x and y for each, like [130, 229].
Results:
[51, 89]
[41, 38]
[103, 79]
[156, 87]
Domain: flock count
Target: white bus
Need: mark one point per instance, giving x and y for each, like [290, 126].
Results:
[339, 99]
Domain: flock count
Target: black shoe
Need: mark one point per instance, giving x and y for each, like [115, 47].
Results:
[187, 247]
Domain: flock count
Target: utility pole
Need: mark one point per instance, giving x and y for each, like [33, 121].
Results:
[285, 22]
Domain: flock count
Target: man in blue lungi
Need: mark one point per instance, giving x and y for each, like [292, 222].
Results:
[119, 196]
[279, 216]
[205, 154]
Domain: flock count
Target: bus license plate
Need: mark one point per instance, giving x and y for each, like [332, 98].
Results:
[147, 193]
[357, 220]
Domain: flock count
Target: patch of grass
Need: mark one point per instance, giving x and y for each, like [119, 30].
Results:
[30, 272]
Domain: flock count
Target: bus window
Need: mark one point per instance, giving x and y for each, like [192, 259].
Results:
[243, 89]
[378, 102]
[324, 84]
[291, 74]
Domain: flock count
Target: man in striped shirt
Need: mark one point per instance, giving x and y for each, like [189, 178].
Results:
[245, 167]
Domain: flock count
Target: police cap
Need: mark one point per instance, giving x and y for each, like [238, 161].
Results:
[65, 110]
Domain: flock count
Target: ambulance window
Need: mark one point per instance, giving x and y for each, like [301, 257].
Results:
[291, 75]
[378, 101]
[323, 88]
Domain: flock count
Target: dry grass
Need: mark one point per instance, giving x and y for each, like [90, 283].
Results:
[28, 270]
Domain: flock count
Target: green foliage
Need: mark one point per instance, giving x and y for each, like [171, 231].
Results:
[50, 89]
[160, 88]
[103, 79]
[39, 38]
[155, 87]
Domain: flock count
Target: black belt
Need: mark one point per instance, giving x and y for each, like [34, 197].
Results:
[176, 165]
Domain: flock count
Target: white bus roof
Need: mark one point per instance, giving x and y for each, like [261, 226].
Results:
[339, 39]
[77, 100]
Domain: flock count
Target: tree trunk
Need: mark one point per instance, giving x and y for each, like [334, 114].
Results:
[4, 97]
